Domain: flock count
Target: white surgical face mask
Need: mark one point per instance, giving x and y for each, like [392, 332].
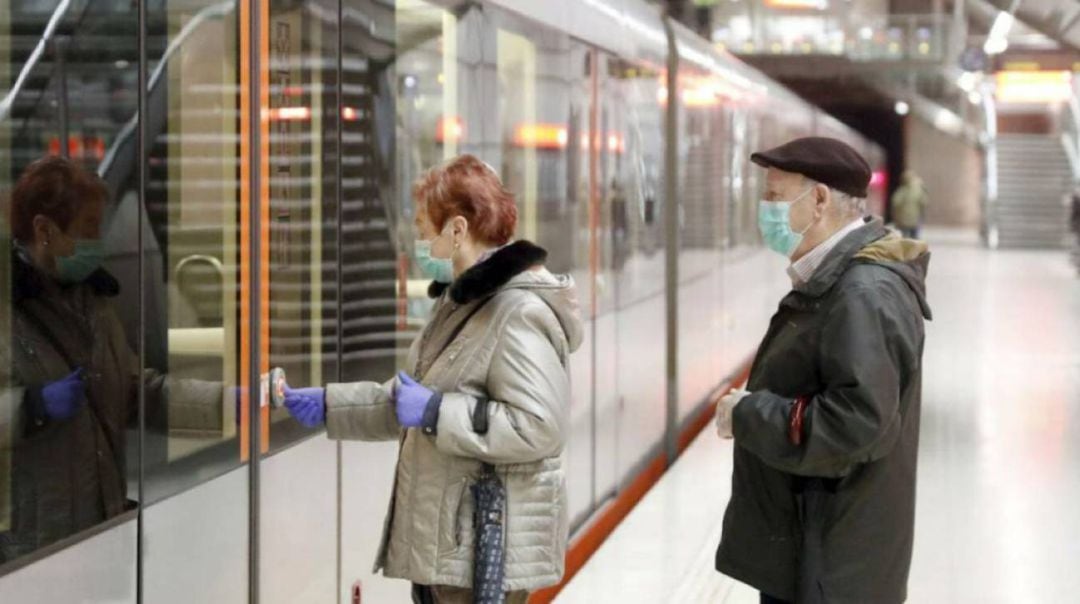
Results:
[437, 269]
[774, 222]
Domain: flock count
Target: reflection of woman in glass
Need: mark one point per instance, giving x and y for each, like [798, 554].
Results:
[496, 349]
[67, 374]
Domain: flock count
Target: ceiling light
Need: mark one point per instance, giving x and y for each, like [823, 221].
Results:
[902, 108]
[967, 81]
[997, 42]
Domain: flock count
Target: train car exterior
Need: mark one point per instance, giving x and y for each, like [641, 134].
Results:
[272, 227]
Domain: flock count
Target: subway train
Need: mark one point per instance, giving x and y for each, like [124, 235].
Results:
[261, 215]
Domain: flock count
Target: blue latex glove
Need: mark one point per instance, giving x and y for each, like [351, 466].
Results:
[410, 401]
[307, 405]
[63, 398]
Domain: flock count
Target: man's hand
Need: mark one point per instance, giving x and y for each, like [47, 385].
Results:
[724, 408]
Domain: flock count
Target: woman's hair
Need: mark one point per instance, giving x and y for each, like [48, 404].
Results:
[54, 187]
[465, 186]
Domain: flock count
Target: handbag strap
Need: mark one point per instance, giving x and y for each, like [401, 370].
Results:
[480, 425]
[480, 411]
[479, 415]
[456, 332]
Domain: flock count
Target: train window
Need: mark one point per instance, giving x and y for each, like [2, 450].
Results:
[543, 125]
[373, 327]
[439, 110]
[627, 146]
[488, 83]
[301, 269]
[192, 246]
[703, 139]
[68, 373]
[632, 152]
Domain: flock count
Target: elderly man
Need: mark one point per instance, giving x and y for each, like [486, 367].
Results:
[823, 495]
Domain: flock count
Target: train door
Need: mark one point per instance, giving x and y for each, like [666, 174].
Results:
[299, 273]
[609, 207]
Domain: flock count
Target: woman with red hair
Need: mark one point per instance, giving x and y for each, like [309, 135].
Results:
[69, 380]
[486, 388]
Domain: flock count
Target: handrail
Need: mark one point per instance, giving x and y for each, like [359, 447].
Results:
[35, 56]
[1073, 150]
[215, 10]
[922, 37]
[1070, 143]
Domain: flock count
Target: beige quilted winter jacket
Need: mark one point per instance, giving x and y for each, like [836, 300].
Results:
[512, 352]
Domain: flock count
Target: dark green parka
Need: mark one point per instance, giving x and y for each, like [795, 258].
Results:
[852, 339]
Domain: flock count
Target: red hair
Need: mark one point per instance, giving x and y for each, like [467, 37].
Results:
[54, 187]
[467, 187]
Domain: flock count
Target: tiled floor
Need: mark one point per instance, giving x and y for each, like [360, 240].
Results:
[999, 484]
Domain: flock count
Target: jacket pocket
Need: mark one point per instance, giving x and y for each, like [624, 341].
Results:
[451, 523]
[463, 520]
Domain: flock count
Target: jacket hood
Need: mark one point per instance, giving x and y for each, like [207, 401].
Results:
[908, 258]
[520, 265]
[872, 243]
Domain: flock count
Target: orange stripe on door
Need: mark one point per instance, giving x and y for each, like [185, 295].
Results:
[249, 398]
[264, 213]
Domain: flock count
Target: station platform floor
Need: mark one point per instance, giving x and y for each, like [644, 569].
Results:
[997, 516]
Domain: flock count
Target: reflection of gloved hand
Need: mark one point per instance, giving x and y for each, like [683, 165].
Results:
[307, 405]
[410, 401]
[63, 398]
[724, 409]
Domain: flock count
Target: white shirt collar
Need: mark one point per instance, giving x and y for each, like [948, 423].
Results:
[491, 252]
[803, 269]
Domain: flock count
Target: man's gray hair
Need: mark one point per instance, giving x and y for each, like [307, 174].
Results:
[847, 205]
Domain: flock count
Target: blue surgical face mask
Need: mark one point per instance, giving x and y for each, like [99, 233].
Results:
[774, 221]
[438, 269]
[87, 258]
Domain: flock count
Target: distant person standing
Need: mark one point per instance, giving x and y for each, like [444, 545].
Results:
[909, 205]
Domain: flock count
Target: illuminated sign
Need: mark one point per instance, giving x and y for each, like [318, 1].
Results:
[449, 129]
[541, 136]
[1033, 86]
[290, 114]
[798, 4]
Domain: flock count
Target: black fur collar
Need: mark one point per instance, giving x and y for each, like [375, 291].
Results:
[488, 276]
[28, 283]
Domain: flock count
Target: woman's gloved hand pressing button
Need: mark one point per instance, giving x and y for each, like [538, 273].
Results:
[307, 405]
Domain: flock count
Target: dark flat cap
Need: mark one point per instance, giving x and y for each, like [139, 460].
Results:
[826, 160]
